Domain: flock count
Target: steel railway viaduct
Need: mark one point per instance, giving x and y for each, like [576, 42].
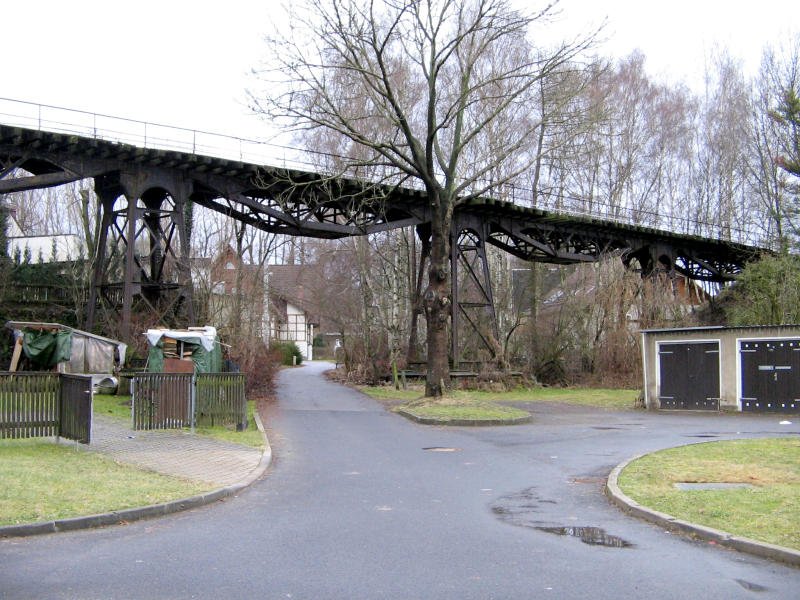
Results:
[142, 259]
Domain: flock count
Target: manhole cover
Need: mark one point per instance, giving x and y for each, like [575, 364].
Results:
[709, 485]
[441, 449]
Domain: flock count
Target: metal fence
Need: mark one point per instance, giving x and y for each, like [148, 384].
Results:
[176, 400]
[45, 405]
[220, 399]
[162, 400]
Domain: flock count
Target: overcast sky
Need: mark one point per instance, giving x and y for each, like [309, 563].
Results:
[187, 63]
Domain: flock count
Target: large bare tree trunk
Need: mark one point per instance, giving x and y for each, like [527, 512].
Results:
[438, 304]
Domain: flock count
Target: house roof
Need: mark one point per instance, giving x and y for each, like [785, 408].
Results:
[296, 283]
[299, 285]
[582, 282]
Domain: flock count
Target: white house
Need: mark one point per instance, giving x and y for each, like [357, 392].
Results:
[290, 294]
[50, 248]
[292, 324]
[284, 318]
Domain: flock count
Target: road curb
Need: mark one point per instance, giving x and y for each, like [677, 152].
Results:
[670, 523]
[128, 515]
[463, 422]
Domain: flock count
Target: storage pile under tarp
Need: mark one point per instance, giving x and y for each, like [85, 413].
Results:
[48, 345]
[196, 349]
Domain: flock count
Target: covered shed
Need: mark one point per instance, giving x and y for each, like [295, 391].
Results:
[723, 368]
[64, 349]
[192, 350]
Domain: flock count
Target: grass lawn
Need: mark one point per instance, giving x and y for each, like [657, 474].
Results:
[110, 405]
[473, 404]
[387, 392]
[617, 399]
[43, 481]
[766, 512]
[118, 407]
[249, 437]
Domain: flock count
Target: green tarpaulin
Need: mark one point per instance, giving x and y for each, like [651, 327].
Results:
[208, 362]
[155, 358]
[45, 349]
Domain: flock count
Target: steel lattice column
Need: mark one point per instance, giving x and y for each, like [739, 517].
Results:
[474, 332]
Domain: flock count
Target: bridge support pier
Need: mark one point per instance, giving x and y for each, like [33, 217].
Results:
[141, 265]
[653, 258]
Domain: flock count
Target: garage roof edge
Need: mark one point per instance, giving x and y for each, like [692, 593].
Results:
[718, 328]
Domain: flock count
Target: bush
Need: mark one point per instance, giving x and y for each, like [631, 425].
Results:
[290, 353]
[258, 363]
[766, 292]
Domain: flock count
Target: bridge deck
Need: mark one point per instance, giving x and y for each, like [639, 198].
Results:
[297, 202]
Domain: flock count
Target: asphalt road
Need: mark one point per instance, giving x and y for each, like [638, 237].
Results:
[361, 503]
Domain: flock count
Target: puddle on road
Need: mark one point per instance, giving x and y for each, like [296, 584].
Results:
[441, 449]
[605, 427]
[594, 536]
[523, 510]
[753, 587]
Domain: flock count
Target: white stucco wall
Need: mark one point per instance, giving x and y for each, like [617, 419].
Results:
[67, 247]
[296, 329]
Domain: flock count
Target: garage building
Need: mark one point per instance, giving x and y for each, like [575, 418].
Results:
[723, 368]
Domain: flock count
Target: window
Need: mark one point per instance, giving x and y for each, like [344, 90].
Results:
[297, 327]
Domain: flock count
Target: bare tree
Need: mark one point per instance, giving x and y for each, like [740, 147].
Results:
[775, 141]
[632, 153]
[418, 84]
[719, 181]
[240, 311]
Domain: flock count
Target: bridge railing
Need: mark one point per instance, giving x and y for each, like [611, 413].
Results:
[751, 233]
[164, 137]
[144, 134]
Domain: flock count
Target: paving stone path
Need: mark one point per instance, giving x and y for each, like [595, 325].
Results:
[174, 452]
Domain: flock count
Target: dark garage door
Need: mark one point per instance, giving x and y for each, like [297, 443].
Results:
[770, 375]
[689, 375]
